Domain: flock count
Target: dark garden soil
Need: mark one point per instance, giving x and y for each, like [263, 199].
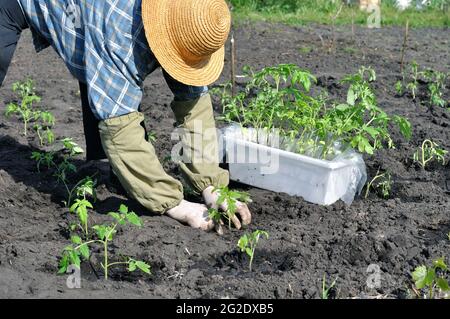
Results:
[307, 241]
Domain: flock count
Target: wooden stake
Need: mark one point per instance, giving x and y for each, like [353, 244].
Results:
[233, 66]
[333, 28]
[353, 25]
[405, 42]
[446, 13]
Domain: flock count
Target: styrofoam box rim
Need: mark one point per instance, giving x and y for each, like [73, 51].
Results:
[297, 157]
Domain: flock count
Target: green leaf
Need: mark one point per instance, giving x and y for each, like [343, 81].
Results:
[249, 251]
[36, 156]
[134, 219]
[419, 276]
[116, 216]
[100, 231]
[144, 267]
[74, 206]
[431, 276]
[71, 168]
[440, 263]
[82, 214]
[84, 250]
[63, 264]
[372, 132]
[258, 233]
[76, 240]
[50, 136]
[404, 126]
[351, 97]
[110, 233]
[123, 209]
[214, 214]
[443, 284]
[364, 145]
[132, 266]
[342, 107]
[243, 242]
[74, 258]
[77, 150]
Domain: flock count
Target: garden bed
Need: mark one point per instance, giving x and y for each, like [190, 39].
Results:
[306, 242]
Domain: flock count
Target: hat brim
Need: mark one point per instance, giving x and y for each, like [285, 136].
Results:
[204, 72]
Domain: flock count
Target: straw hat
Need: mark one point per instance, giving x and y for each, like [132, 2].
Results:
[187, 37]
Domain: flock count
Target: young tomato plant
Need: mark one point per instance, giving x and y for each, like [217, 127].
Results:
[43, 124]
[46, 158]
[249, 242]
[382, 183]
[399, 87]
[24, 110]
[78, 250]
[436, 86]
[152, 137]
[326, 290]
[413, 85]
[62, 166]
[435, 80]
[71, 149]
[84, 189]
[429, 151]
[229, 198]
[360, 121]
[277, 98]
[433, 279]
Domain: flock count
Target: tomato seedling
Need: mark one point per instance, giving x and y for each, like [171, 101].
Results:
[326, 290]
[248, 243]
[42, 127]
[414, 74]
[436, 84]
[63, 167]
[382, 183]
[26, 111]
[83, 189]
[277, 98]
[46, 158]
[429, 151]
[429, 278]
[78, 250]
[152, 137]
[399, 87]
[229, 198]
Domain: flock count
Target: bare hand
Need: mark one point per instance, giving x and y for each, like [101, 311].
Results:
[210, 197]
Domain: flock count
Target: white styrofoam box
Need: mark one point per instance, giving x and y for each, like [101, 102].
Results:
[317, 181]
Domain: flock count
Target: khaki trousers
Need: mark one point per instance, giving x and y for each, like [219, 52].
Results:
[136, 164]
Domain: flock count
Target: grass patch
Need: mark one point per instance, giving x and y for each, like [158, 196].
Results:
[305, 50]
[294, 12]
[350, 50]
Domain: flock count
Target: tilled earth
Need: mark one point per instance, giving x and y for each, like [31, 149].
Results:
[307, 241]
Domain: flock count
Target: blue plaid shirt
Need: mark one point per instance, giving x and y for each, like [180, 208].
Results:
[103, 44]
